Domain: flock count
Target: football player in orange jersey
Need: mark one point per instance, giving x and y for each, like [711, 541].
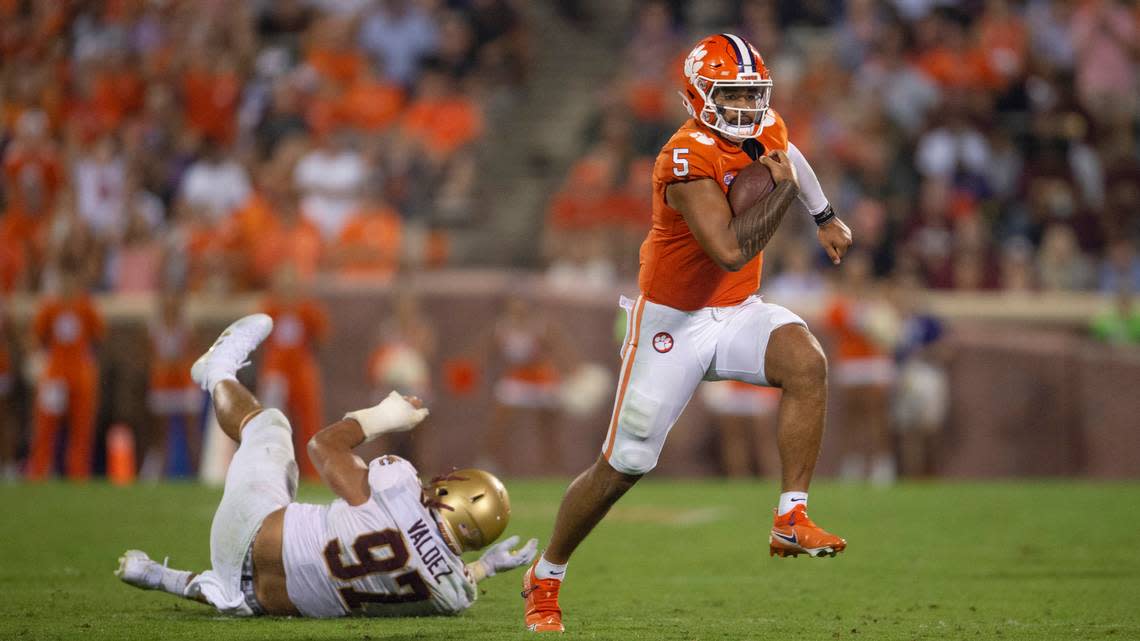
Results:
[698, 316]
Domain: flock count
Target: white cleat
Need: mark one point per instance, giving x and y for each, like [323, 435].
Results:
[139, 570]
[233, 347]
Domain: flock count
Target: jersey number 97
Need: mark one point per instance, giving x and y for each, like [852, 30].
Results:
[413, 587]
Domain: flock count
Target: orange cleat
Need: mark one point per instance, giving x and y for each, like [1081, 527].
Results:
[542, 611]
[794, 534]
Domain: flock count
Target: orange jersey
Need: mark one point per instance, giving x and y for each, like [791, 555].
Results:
[296, 328]
[299, 244]
[376, 235]
[67, 328]
[675, 271]
[443, 125]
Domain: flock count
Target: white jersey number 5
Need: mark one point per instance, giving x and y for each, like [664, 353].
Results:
[682, 163]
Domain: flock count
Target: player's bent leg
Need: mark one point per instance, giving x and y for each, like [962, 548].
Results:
[262, 479]
[657, 380]
[795, 362]
[235, 406]
[587, 500]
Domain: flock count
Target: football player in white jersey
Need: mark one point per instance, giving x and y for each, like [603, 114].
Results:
[387, 547]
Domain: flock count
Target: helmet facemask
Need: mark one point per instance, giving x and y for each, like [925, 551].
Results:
[735, 108]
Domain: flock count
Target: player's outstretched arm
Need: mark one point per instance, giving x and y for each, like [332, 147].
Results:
[732, 241]
[834, 235]
[499, 558]
[331, 450]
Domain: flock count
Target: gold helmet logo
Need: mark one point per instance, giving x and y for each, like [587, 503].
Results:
[473, 506]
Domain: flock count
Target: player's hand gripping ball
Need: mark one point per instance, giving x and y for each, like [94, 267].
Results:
[750, 185]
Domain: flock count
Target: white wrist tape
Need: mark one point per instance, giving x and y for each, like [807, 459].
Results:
[393, 414]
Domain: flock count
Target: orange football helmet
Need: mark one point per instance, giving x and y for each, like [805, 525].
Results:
[718, 64]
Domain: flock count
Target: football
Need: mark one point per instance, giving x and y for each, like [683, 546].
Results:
[750, 185]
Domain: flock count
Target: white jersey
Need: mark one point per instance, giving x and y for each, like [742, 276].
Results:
[383, 558]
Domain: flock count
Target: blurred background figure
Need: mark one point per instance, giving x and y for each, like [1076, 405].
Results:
[173, 398]
[286, 243]
[289, 372]
[9, 425]
[369, 247]
[866, 329]
[401, 361]
[745, 418]
[523, 348]
[330, 178]
[64, 333]
[921, 397]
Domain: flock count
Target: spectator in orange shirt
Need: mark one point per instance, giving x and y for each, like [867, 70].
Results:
[172, 396]
[33, 171]
[290, 376]
[955, 62]
[246, 228]
[293, 240]
[441, 120]
[117, 89]
[194, 255]
[33, 176]
[210, 91]
[604, 203]
[333, 52]
[369, 246]
[371, 103]
[65, 328]
[13, 261]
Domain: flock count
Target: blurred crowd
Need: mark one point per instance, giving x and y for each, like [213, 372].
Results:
[155, 144]
[175, 146]
[973, 145]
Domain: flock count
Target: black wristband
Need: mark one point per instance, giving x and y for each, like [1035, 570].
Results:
[824, 217]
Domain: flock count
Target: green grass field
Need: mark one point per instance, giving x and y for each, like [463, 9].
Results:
[675, 560]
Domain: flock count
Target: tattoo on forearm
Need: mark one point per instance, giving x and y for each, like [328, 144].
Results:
[755, 227]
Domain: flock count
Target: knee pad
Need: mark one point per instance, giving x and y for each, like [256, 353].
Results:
[631, 456]
[635, 450]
